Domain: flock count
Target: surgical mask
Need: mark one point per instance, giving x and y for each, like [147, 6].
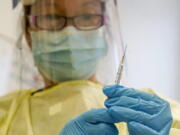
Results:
[69, 54]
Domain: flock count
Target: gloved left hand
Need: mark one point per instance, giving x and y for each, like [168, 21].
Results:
[94, 122]
[145, 114]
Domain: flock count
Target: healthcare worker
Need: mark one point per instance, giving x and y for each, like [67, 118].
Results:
[69, 40]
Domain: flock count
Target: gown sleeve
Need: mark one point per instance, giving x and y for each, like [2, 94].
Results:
[6, 105]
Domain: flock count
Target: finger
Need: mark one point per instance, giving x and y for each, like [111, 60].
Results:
[117, 91]
[139, 104]
[98, 115]
[166, 129]
[123, 114]
[164, 116]
[140, 129]
[110, 89]
[103, 129]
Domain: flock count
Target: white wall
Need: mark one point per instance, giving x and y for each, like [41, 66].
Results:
[151, 28]
[9, 57]
[8, 18]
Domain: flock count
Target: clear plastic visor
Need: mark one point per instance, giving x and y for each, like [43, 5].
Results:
[72, 40]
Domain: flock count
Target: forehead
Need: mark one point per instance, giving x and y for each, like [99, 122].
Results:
[65, 6]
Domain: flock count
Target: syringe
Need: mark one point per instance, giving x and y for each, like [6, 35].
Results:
[121, 68]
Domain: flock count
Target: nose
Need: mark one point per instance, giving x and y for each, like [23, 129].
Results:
[69, 22]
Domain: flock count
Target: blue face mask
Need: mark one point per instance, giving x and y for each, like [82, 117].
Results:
[69, 54]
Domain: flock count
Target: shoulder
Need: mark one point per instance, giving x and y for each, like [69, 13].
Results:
[14, 95]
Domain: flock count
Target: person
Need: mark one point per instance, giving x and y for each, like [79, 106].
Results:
[69, 39]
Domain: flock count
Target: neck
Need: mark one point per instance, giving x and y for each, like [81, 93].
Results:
[49, 84]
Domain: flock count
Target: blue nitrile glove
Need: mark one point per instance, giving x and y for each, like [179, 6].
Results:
[145, 114]
[94, 122]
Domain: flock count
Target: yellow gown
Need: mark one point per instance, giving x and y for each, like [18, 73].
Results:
[46, 112]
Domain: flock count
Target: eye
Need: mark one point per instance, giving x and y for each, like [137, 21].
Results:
[50, 21]
[86, 17]
[88, 21]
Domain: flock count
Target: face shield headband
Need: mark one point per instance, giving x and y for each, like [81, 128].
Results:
[30, 2]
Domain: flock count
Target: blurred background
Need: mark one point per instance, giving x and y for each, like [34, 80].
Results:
[150, 28]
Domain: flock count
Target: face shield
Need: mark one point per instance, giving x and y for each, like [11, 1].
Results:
[70, 40]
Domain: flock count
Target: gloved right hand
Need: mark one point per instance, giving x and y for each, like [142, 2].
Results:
[145, 113]
[94, 122]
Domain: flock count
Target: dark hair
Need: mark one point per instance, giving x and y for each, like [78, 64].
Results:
[27, 10]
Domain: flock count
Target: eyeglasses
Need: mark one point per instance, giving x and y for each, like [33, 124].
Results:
[55, 22]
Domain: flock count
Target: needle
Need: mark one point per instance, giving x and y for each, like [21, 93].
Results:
[121, 67]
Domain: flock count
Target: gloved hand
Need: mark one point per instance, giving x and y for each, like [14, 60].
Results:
[94, 122]
[145, 114]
